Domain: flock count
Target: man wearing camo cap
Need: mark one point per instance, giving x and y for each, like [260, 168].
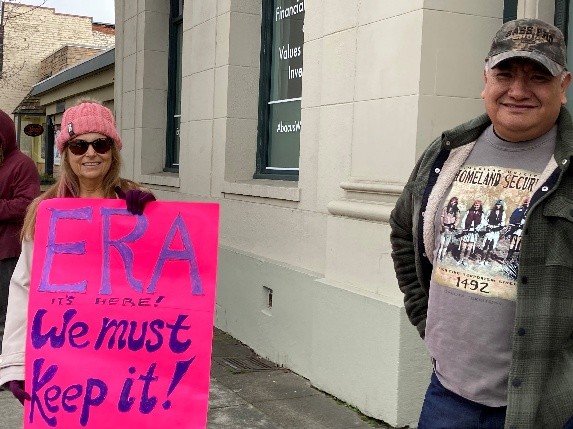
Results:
[500, 335]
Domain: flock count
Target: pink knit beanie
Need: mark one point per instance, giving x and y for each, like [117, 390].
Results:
[87, 117]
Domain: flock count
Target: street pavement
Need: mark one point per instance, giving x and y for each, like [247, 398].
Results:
[248, 392]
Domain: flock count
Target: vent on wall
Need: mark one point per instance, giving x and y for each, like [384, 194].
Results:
[267, 301]
[246, 364]
[268, 292]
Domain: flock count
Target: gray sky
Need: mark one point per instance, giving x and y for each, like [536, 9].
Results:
[99, 10]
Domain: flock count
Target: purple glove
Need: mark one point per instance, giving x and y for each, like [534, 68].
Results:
[17, 389]
[135, 199]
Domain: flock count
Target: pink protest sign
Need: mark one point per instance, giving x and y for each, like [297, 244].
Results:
[120, 318]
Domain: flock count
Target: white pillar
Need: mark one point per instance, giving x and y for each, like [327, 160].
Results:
[541, 9]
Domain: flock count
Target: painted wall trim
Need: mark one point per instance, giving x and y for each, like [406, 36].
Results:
[161, 179]
[373, 187]
[541, 9]
[280, 190]
[377, 212]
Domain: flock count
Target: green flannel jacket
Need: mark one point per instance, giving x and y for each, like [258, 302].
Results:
[540, 386]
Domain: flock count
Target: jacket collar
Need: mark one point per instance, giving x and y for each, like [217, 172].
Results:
[471, 130]
[564, 146]
[465, 133]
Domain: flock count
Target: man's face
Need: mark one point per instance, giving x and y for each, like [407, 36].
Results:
[523, 99]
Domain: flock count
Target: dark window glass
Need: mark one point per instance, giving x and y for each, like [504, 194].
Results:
[562, 19]
[509, 10]
[174, 88]
[280, 89]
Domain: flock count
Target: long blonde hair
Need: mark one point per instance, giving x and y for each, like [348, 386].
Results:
[68, 186]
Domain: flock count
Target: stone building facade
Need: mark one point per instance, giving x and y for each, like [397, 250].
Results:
[305, 273]
[65, 57]
[92, 78]
[32, 33]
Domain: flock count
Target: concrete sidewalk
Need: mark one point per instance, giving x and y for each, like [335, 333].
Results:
[248, 392]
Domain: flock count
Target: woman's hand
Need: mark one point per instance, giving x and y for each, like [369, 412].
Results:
[135, 199]
[17, 389]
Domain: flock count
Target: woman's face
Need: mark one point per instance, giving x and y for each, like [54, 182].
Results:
[91, 166]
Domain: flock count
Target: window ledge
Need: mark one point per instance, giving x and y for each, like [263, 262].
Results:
[276, 189]
[161, 179]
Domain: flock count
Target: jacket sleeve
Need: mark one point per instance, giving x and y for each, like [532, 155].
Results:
[404, 255]
[25, 183]
[14, 341]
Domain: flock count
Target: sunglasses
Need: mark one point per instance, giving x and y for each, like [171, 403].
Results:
[101, 146]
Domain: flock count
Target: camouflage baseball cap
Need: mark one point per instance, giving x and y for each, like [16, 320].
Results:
[530, 38]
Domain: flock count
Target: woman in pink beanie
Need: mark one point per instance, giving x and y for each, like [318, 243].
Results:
[89, 145]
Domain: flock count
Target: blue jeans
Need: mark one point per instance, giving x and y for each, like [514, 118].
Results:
[444, 409]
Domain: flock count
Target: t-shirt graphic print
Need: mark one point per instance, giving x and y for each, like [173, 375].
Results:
[473, 287]
[480, 230]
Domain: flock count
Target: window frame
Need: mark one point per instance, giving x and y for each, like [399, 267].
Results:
[509, 10]
[175, 26]
[561, 18]
[261, 171]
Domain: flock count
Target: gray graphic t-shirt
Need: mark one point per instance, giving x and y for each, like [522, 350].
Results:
[471, 310]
